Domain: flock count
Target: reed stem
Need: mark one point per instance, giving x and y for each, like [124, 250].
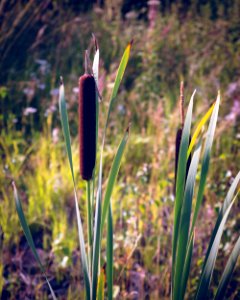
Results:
[89, 223]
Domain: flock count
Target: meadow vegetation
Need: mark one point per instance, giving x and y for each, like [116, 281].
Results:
[198, 44]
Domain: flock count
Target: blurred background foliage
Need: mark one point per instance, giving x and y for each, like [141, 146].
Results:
[195, 41]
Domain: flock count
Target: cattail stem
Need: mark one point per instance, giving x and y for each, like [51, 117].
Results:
[89, 224]
[181, 102]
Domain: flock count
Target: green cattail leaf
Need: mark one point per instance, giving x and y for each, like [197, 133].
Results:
[119, 76]
[118, 79]
[113, 176]
[222, 287]
[110, 253]
[66, 133]
[208, 266]
[65, 126]
[96, 76]
[206, 159]
[223, 210]
[181, 173]
[29, 238]
[199, 128]
[187, 265]
[184, 224]
[216, 234]
[101, 281]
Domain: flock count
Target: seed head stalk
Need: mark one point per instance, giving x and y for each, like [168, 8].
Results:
[87, 143]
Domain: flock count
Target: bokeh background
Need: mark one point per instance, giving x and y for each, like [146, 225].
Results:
[197, 41]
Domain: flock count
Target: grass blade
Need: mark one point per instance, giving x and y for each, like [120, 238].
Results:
[112, 176]
[207, 271]
[199, 127]
[118, 79]
[101, 282]
[96, 75]
[228, 271]
[226, 204]
[121, 69]
[110, 254]
[184, 223]
[66, 133]
[181, 173]
[223, 210]
[28, 236]
[206, 159]
[187, 265]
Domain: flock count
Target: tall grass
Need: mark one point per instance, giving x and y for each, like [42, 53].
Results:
[188, 200]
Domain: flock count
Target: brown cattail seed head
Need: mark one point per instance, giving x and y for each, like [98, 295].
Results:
[87, 125]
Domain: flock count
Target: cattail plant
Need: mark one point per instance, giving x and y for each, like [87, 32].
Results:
[185, 219]
[97, 214]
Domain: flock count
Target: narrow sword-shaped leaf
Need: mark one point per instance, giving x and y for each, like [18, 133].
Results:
[225, 206]
[96, 75]
[227, 202]
[110, 253]
[66, 133]
[199, 127]
[113, 176]
[181, 173]
[208, 267]
[184, 223]
[100, 289]
[119, 76]
[206, 159]
[187, 265]
[28, 236]
[118, 79]
[222, 287]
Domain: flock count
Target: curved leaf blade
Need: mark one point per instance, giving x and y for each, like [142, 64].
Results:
[28, 236]
[223, 210]
[113, 176]
[101, 282]
[181, 173]
[226, 276]
[207, 271]
[184, 224]
[187, 265]
[118, 79]
[199, 128]
[206, 159]
[110, 254]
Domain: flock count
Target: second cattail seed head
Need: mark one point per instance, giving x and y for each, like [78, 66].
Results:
[87, 125]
